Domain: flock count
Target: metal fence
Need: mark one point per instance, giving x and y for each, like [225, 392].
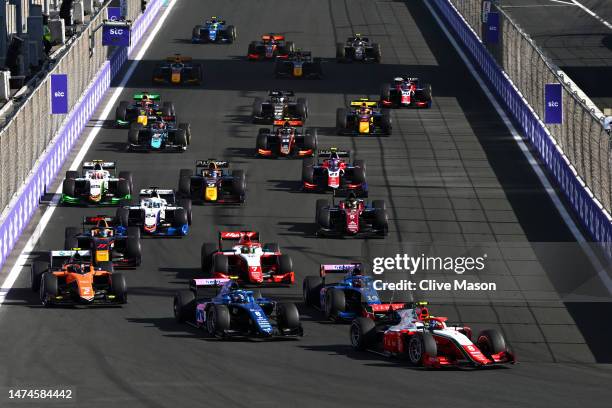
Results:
[581, 136]
[26, 135]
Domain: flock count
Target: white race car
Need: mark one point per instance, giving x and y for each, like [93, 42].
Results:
[158, 213]
[97, 184]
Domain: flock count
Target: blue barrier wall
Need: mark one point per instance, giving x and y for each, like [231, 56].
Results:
[587, 210]
[26, 201]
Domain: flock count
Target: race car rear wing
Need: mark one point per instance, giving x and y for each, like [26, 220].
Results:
[353, 268]
[145, 95]
[361, 101]
[58, 258]
[98, 218]
[292, 122]
[272, 36]
[178, 58]
[236, 235]
[281, 93]
[328, 152]
[166, 194]
[205, 163]
[105, 165]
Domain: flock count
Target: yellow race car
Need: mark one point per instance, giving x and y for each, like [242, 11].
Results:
[363, 117]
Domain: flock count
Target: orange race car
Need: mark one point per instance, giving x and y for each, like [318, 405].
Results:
[70, 278]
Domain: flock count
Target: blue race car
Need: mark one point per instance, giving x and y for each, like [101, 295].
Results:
[353, 296]
[214, 30]
[224, 310]
[160, 134]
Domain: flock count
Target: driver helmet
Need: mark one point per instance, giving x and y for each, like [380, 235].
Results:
[213, 173]
[103, 233]
[364, 108]
[358, 282]
[351, 200]
[334, 162]
[238, 297]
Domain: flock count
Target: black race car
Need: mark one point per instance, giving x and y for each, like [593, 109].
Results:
[298, 64]
[212, 183]
[331, 170]
[280, 105]
[109, 242]
[363, 117]
[351, 218]
[286, 141]
[159, 135]
[405, 93]
[270, 47]
[358, 48]
[145, 108]
[178, 70]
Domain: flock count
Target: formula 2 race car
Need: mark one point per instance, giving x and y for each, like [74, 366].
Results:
[279, 106]
[178, 70]
[161, 134]
[69, 278]
[353, 296]
[97, 184]
[331, 170]
[159, 213]
[214, 30]
[224, 310]
[363, 117]
[406, 93]
[144, 109]
[271, 46]
[248, 262]
[351, 217]
[286, 141]
[358, 48]
[414, 335]
[212, 183]
[111, 244]
[298, 64]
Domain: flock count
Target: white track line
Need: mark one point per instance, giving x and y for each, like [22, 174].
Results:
[22, 260]
[592, 13]
[601, 272]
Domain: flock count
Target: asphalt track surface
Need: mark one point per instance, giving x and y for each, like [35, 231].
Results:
[452, 174]
[575, 41]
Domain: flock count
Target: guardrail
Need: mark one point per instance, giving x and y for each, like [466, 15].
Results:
[589, 211]
[26, 200]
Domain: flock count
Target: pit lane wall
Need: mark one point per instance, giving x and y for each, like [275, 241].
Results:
[593, 216]
[26, 200]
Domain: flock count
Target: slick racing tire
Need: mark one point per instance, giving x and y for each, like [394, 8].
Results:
[359, 175]
[285, 264]
[340, 52]
[127, 175]
[491, 342]
[133, 246]
[239, 184]
[121, 111]
[381, 221]
[70, 238]
[133, 133]
[323, 218]
[187, 128]
[341, 122]
[231, 34]
[418, 346]
[186, 204]
[386, 122]
[311, 290]
[69, 187]
[287, 316]
[184, 186]
[377, 53]
[257, 107]
[311, 139]
[363, 333]
[262, 139]
[321, 203]
[290, 46]
[217, 320]
[206, 257]
[427, 92]
[361, 164]
[167, 109]
[385, 92]
[123, 188]
[119, 287]
[335, 302]
[48, 288]
[308, 170]
[220, 264]
[180, 218]
[196, 32]
[123, 216]
[302, 107]
[180, 138]
[38, 269]
[184, 306]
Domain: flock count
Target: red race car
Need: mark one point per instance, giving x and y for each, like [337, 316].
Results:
[270, 47]
[425, 340]
[249, 261]
[406, 93]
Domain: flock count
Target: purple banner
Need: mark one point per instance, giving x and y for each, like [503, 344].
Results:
[113, 35]
[492, 28]
[114, 13]
[553, 104]
[59, 94]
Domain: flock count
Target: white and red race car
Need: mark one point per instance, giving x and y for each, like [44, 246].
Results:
[414, 335]
[406, 93]
[249, 261]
